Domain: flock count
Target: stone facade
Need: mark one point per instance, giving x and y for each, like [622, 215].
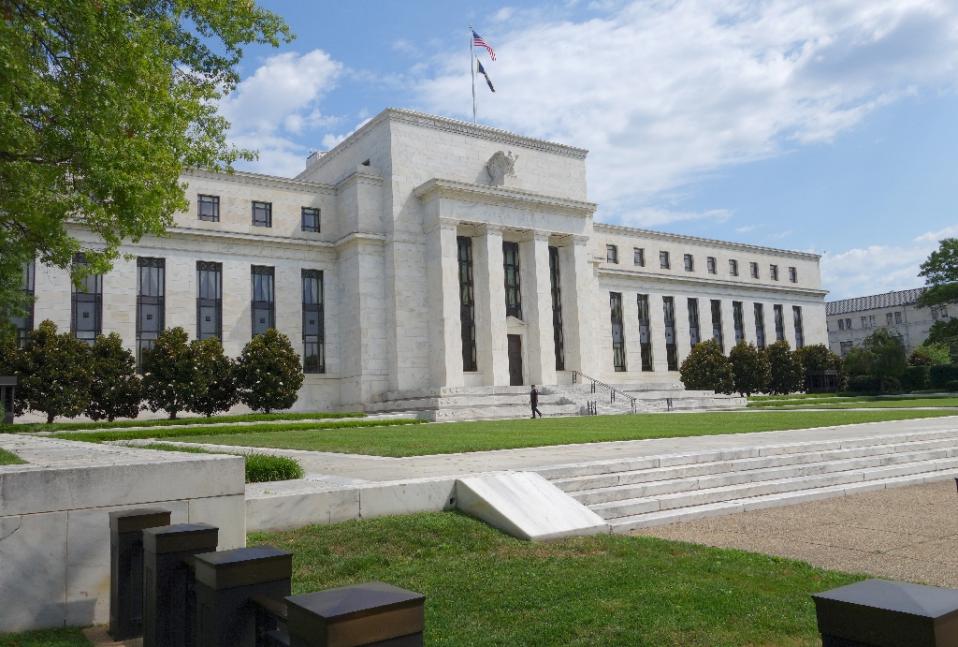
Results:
[850, 321]
[396, 199]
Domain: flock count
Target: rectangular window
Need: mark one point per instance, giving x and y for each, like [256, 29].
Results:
[209, 300]
[689, 262]
[262, 214]
[779, 323]
[793, 275]
[753, 268]
[638, 256]
[888, 318]
[556, 284]
[897, 318]
[759, 310]
[611, 254]
[841, 324]
[671, 351]
[864, 322]
[717, 324]
[314, 327]
[711, 265]
[846, 346]
[618, 335]
[24, 323]
[645, 332]
[733, 267]
[848, 324]
[664, 260]
[467, 304]
[208, 207]
[263, 305]
[695, 335]
[86, 320]
[510, 266]
[773, 272]
[738, 319]
[799, 331]
[310, 218]
[871, 321]
[150, 303]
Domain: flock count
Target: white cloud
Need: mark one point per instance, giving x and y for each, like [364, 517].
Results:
[935, 236]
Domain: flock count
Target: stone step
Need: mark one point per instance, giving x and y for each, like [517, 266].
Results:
[501, 411]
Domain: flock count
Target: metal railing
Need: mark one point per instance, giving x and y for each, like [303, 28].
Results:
[578, 376]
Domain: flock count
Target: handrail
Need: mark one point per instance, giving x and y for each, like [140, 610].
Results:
[612, 390]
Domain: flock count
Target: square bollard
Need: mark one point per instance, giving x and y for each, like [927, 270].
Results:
[882, 613]
[169, 600]
[126, 568]
[226, 582]
[372, 614]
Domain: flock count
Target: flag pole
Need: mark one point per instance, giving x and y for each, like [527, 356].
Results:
[472, 69]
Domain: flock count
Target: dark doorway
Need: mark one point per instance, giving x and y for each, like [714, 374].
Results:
[515, 360]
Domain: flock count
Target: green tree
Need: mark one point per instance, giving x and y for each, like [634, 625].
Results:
[941, 274]
[930, 355]
[214, 381]
[816, 359]
[168, 373]
[858, 361]
[102, 106]
[750, 369]
[53, 373]
[269, 372]
[944, 332]
[116, 390]
[887, 352]
[785, 369]
[706, 368]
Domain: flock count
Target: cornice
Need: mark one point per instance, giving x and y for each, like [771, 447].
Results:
[258, 179]
[718, 283]
[360, 175]
[212, 234]
[499, 195]
[358, 237]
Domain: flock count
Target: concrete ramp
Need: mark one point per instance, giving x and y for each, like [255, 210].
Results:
[526, 505]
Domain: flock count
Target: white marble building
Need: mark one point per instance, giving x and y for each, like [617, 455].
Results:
[434, 254]
[850, 321]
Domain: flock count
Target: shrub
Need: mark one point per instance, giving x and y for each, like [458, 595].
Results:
[116, 389]
[916, 378]
[53, 374]
[858, 361]
[750, 369]
[888, 353]
[815, 360]
[952, 386]
[942, 374]
[261, 468]
[214, 381]
[930, 355]
[706, 368]
[890, 385]
[864, 384]
[168, 373]
[785, 369]
[269, 372]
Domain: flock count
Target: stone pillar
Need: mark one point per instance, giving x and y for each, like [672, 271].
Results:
[660, 356]
[748, 316]
[728, 325]
[683, 343]
[789, 324]
[537, 309]
[444, 324]
[632, 334]
[585, 349]
[492, 354]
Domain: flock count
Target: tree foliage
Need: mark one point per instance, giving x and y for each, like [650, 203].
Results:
[785, 369]
[116, 389]
[941, 274]
[930, 355]
[214, 381]
[750, 369]
[887, 354]
[706, 368]
[168, 373]
[102, 106]
[54, 374]
[816, 359]
[269, 372]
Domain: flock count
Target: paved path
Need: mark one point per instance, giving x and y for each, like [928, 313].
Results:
[908, 533]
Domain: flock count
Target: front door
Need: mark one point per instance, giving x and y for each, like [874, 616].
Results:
[515, 360]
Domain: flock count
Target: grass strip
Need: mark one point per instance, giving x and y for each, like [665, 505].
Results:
[9, 458]
[70, 637]
[849, 403]
[260, 468]
[30, 427]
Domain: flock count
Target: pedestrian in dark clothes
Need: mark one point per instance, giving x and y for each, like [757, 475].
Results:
[534, 401]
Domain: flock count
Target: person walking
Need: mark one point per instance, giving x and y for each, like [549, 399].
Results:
[534, 401]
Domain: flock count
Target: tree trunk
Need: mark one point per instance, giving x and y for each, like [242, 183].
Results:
[50, 417]
[173, 415]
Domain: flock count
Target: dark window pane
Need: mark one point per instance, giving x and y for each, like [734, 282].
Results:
[209, 207]
[618, 335]
[558, 337]
[310, 219]
[262, 214]
[510, 261]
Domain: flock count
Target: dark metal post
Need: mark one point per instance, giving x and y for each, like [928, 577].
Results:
[226, 582]
[169, 603]
[373, 614]
[8, 389]
[126, 568]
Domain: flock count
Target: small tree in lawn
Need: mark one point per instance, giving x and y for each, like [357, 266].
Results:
[53, 374]
[214, 384]
[116, 389]
[750, 370]
[816, 359]
[168, 373]
[269, 372]
[706, 368]
[888, 354]
[785, 369]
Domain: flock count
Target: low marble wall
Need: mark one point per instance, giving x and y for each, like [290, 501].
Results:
[54, 520]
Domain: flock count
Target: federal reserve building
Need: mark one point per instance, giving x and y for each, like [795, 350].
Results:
[433, 265]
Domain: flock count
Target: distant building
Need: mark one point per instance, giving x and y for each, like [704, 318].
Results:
[850, 321]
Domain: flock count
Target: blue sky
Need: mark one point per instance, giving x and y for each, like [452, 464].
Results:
[821, 126]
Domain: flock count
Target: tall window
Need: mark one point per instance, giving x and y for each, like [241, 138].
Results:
[710, 265]
[618, 335]
[738, 317]
[793, 275]
[209, 300]
[645, 332]
[845, 346]
[264, 302]
[638, 256]
[733, 267]
[841, 324]
[150, 303]
[773, 272]
[759, 325]
[695, 335]
[671, 352]
[310, 219]
[314, 329]
[799, 332]
[689, 262]
[717, 324]
[208, 207]
[779, 323]
[262, 214]
[510, 266]
[611, 254]
[467, 304]
[86, 320]
[555, 282]
[753, 268]
[24, 323]
[664, 261]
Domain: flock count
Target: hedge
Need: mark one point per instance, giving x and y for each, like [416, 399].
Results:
[942, 374]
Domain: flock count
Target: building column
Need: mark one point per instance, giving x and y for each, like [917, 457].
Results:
[631, 332]
[789, 324]
[748, 319]
[728, 325]
[683, 344]
[444, 324]
[585, 349]
[660, 358]
[492, 353]
[537, 309]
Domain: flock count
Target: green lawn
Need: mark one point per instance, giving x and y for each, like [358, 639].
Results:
[6, 458]
[484, 588]
[870, 402]
[46, 638]
[444, 438]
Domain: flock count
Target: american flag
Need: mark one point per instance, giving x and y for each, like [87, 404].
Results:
[477, 41]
